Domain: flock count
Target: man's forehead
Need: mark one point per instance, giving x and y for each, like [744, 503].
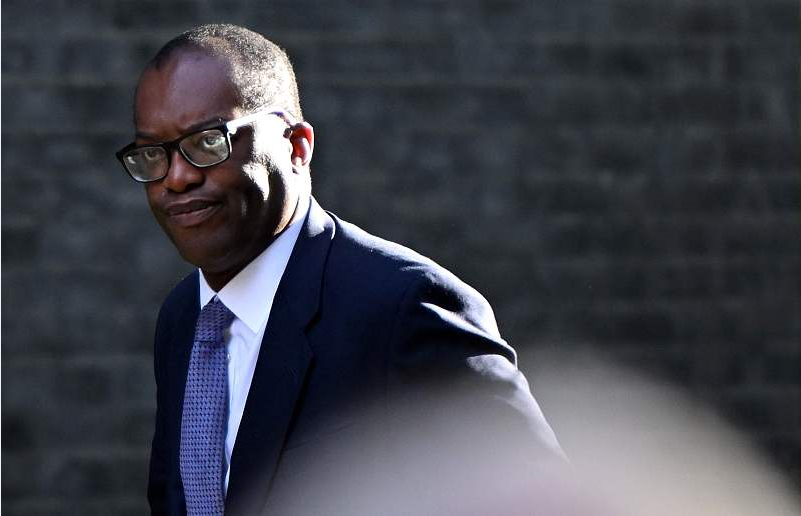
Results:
[189, 68]
[188, 88]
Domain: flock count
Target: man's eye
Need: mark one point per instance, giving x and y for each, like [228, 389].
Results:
[211, 141]
[152, 154]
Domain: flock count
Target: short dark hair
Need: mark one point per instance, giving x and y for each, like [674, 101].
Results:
[261, 70]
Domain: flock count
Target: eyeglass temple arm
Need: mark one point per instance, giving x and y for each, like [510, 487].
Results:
[234, 125]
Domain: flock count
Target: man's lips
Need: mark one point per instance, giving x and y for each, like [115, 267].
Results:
[192, 212]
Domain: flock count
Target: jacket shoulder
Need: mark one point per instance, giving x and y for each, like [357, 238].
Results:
[377, 256]
[373, 262]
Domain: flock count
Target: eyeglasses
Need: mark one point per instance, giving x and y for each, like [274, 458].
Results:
[203, 148]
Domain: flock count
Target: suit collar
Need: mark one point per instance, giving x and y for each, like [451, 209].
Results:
[301, 283]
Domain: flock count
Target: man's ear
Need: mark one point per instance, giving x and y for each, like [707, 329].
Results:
[301, 136]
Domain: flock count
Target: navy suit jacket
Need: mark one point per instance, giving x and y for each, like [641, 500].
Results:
[361, 333]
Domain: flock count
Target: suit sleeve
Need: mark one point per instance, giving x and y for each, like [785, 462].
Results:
[455, 384]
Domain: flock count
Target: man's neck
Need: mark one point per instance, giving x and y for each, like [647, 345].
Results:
[218, 280]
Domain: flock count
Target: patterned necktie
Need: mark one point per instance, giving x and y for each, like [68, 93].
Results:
[205, 416]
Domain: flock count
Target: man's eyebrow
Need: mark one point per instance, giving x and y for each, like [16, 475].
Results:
[197, 126]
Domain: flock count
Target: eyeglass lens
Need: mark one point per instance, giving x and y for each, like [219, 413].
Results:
[201, 149]
[205, 148]
[146, 163]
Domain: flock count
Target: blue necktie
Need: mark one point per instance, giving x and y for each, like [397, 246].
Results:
[205, 416]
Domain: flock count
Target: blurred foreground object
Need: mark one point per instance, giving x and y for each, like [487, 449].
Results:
[647, 450]
[637, 447]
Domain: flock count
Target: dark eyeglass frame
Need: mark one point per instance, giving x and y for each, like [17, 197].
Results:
[226, 128]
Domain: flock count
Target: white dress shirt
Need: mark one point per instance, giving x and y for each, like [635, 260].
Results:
[249, 295]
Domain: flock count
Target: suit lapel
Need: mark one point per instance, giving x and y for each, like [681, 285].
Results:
[181, 350]
[281, 368]
[284, 359]
[176, 354]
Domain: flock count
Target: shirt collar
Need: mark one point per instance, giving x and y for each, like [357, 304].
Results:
[249, 294]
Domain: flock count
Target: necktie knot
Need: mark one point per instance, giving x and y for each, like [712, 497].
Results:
[214, 318]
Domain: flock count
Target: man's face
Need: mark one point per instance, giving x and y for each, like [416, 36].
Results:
[219, 218]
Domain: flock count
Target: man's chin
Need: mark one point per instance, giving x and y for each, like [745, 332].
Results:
[218, 265]
[211, 260]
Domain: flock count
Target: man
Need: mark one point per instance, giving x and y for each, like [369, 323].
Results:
[307, 367]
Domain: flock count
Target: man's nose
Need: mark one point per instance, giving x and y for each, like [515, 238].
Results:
[182, 175]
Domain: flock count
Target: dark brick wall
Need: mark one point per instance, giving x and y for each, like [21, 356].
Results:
[619, 173]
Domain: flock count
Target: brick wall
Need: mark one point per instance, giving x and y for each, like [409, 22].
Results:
[619, 173]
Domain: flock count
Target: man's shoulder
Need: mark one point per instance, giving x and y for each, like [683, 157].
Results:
[373, 269]
[362, 245]
[356, 252]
